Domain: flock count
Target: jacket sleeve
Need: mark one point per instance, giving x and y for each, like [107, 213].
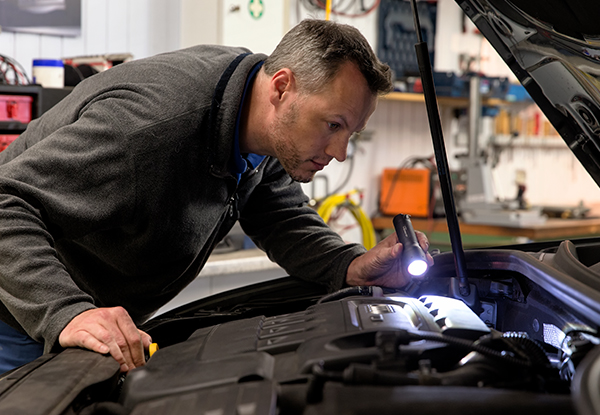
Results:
[51, 189]
[292, 234]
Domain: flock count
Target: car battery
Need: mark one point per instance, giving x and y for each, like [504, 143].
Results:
[6, 139]
[16, 108]
[405, 191]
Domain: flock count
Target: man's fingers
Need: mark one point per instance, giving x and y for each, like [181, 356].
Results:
[117, 331]
[113, 343]
[97, 339]
[424, 242]
[146, 339]
[93, 344]
[117, 353]
[132, 345]
[390, 240]
[107, 330]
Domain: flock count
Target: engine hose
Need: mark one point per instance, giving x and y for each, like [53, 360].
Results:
[344, 200]
[473, 346]
[532, 349]
[371, 291]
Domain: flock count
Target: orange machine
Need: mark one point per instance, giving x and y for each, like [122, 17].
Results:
[405, 191]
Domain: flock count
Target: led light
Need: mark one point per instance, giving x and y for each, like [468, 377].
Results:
[417, 268]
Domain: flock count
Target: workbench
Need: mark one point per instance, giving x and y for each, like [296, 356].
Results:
[552, 229]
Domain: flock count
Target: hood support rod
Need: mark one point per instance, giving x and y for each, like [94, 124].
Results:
[441, 160]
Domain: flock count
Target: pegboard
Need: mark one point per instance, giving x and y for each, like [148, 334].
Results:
[397, 36]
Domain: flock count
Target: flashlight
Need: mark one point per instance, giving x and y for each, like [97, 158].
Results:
[414, 260]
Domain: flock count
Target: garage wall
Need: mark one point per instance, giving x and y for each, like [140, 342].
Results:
[140, 27]
[147, 27]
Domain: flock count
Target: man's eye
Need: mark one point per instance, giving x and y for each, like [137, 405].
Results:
[333, 125]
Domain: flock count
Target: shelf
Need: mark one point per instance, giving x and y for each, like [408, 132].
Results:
[552, 229]
[442, 100]
[12, 127]
[20, 89]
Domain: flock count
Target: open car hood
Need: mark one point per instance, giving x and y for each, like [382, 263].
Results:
[527, 344]
[553, 48]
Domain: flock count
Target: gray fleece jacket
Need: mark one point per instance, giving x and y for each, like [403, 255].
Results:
[119, 193]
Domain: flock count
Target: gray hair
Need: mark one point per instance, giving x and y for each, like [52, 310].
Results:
[314, 50]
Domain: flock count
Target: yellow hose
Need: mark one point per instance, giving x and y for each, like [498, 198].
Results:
[344, 200]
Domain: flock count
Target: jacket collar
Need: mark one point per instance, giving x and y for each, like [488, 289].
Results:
[225, 105]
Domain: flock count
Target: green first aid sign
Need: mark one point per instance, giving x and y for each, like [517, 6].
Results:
[256, 8]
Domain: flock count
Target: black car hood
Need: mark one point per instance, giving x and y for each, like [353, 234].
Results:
[553, 48]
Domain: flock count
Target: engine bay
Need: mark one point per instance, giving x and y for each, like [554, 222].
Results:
[518, 348]
[525, 342]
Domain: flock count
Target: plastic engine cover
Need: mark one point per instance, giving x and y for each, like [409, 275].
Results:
[244, 359]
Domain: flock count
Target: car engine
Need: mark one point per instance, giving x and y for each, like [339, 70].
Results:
[365, 350]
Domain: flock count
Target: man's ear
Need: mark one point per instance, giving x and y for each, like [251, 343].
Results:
[281, 85]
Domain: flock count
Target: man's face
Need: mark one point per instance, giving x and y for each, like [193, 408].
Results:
[313, 129]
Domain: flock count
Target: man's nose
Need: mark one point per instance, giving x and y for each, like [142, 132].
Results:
[338, 147]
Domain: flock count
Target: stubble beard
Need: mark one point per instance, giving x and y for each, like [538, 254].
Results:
[287, 154]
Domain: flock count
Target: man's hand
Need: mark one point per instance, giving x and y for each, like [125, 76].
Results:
[108, 330]
[382, 264]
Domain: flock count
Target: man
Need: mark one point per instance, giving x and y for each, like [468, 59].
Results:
[111, 202]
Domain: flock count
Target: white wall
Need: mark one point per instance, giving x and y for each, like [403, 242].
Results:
[140, 27]
[147, 27]
[400, 130]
